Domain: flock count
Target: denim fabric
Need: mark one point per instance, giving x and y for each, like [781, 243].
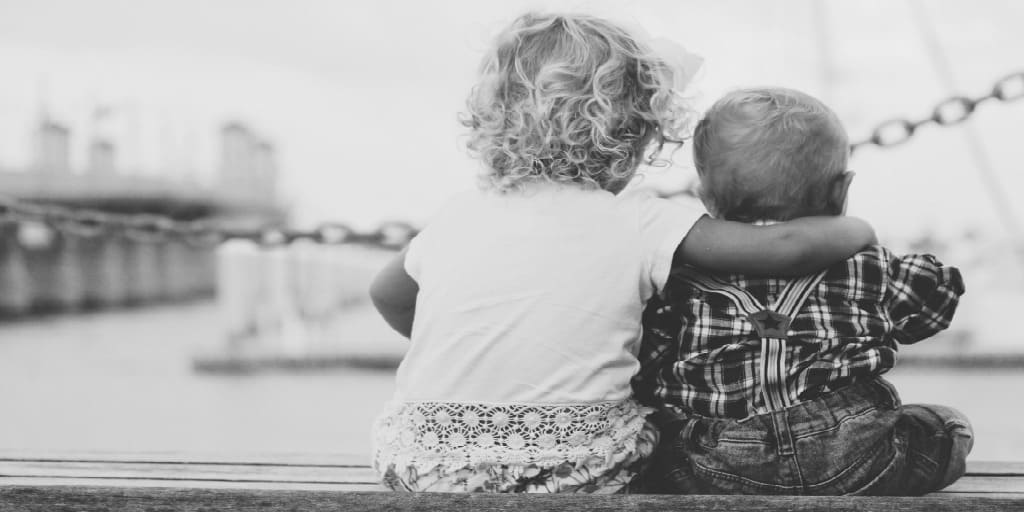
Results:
[856, 440]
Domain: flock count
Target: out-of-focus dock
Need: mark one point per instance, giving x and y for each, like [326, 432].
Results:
[76, 260]
[128, 193]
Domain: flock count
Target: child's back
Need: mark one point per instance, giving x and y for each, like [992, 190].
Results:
[536, 297]
[846, 330]
[773, 385]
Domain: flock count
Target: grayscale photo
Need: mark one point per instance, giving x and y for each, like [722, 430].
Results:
[519, 255]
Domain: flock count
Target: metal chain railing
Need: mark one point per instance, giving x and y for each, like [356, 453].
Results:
[948, 112]
[153, 228]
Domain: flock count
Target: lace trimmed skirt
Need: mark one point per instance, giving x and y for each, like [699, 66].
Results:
[470, 447]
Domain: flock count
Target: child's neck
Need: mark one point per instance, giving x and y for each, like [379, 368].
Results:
[539, 186]
[778, 214]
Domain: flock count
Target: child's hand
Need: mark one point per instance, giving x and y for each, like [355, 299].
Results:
[797, 247]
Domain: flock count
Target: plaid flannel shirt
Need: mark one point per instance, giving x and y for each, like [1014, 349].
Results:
[700, 354]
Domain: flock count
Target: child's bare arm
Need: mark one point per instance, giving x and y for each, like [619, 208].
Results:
[792, 248]
[394, 295]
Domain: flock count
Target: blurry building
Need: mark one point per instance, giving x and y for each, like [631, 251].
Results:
[101, 157]
[52, 148]
[236, 153]
[264, 170]
[248, 165]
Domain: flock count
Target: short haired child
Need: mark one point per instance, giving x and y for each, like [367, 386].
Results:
[789, 399]
[523, 299]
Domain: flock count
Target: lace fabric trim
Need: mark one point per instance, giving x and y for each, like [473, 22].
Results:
[451, 436]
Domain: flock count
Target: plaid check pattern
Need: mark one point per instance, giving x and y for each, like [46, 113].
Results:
[700, 354]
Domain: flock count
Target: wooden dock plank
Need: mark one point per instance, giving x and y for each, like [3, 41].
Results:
[131, 483]
[967, 486]
[254, 459]
[189, 471]
[983, 478]
[978, 468]
[182, 482]
[89, 499]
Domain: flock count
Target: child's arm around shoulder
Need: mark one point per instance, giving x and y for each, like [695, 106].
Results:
[792, 248]
[393, 293]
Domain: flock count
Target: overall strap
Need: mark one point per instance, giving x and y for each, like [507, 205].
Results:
[710, 284]
[772, 324]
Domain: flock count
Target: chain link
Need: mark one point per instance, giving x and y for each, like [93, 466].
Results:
[151, 228]
[332, 233]
[1010, 88]
[199, 234]
[83, 224]
[948, 112]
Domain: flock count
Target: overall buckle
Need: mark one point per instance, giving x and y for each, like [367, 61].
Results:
[770, 324]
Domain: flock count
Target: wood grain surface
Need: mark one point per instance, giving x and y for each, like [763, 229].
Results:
[89, 499]
[175, 482]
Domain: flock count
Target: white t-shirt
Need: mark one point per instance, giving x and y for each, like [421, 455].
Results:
[536, 297]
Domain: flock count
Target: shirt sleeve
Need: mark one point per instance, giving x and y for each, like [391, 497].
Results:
[414, 255]
[422, 245]
[664, 224]
[922, 295]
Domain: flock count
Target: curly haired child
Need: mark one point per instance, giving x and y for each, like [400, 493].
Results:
[523, 299]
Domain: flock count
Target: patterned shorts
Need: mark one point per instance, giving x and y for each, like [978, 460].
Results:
[612, 475]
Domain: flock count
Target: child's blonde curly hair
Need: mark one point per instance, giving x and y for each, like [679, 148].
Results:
[571, 99]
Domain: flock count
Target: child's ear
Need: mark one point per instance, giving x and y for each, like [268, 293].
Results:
[838, 195]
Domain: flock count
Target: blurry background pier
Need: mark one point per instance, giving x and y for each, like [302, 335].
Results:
[81, 262]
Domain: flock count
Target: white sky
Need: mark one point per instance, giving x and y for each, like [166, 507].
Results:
[361, 97]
